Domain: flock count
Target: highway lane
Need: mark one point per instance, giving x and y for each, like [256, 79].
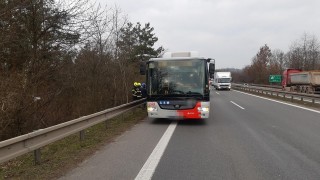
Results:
[265, 140]
[124, 157]
[245, 138]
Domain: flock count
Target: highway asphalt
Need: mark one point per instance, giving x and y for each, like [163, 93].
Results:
[246, 137]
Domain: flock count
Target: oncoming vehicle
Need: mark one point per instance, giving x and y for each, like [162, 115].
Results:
[222, 80]
[178, 86]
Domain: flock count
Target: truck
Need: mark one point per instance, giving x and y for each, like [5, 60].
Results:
[222, 80]
[296, 80]
[178, 86]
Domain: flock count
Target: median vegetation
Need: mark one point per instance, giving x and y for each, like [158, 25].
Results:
[303, 54]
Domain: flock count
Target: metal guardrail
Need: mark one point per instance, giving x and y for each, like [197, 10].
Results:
[278, 93]
[268, 86]
[33, 141]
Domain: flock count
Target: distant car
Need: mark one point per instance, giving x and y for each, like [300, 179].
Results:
[245, 85]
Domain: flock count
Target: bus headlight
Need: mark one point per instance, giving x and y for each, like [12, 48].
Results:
[203, 109]
[152, 109]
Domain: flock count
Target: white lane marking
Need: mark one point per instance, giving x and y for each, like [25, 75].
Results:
[280, 102]
[236, 104]
[218, 93]
[150, 165]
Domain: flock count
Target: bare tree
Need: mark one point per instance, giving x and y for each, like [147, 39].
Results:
[119, 24]
[38, 37]
[62, 59]
[304, 53]
[277, 62]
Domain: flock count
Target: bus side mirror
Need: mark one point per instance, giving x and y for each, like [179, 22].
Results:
[211, 68]
[142, 68]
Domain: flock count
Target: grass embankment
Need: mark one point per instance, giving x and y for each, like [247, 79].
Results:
[289, 100]
[63, 155]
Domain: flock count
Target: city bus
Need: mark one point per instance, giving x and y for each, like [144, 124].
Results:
[178, 86]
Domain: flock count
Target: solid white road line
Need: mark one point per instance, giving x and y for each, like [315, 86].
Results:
[280, 102]
[236, 105]
[150, 165]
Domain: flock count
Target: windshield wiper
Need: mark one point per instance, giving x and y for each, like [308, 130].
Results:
[193, 93]
[177, 92]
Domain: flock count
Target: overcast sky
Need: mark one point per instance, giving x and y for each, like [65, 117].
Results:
[230, 31]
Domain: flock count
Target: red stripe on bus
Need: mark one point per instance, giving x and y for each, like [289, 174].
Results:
[190, 113]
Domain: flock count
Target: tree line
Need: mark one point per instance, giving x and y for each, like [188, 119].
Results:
[303, 54]
[60, 60]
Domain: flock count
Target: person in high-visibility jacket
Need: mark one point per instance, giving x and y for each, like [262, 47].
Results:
[136, 91]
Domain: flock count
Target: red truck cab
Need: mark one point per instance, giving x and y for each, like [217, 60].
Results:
[286, 78]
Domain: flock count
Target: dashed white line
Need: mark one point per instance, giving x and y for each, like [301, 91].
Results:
[218, 93]
[237, 105]
[280, 102]
[152, 162]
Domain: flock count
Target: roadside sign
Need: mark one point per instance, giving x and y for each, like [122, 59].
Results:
[275, 78]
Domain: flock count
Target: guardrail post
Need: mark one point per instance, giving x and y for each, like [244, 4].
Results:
[37, 156]
[106, 122]
[301, 98]
[313, 101]
[277, 94]
[291, 98]
[82, 135]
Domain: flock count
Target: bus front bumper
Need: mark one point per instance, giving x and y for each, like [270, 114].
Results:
[200, 111]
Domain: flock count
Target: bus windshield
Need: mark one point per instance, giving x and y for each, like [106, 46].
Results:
[177, 77]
